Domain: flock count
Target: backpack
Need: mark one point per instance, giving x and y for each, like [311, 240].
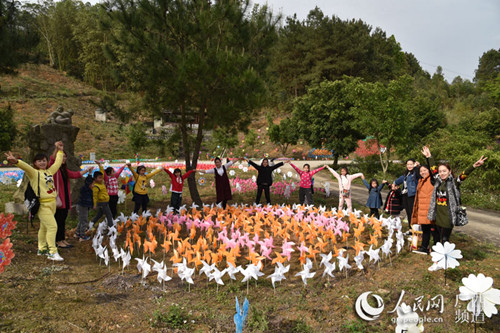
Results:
[32, 201]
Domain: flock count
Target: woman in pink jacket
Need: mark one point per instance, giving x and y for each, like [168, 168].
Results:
[62, 185]
[345, 180]
[305, 191]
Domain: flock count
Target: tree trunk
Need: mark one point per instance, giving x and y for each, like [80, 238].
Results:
[193, 188]
[335, 161]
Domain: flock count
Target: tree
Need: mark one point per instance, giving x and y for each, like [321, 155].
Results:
[200, 60]
[8, 130]
[136, 136]
[384, 113]
[283, 134]
[325, 117]
[489, 67]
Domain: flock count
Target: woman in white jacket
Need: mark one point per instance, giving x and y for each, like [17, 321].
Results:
[344, 180]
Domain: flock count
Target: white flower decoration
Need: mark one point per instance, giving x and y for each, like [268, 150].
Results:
[483, 297]
[254, 178]
[240, 166]
[278, 170]
[232, 173]
[289, 174]
[245, 169]
[445, 256]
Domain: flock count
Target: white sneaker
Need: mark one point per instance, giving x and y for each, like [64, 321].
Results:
[55, 257]
[434, 267]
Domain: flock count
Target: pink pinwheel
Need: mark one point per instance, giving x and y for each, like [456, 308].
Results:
[303, 249]
[287, 249]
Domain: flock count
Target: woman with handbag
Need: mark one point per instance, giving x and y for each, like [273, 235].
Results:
[63, 199]
[445, 205]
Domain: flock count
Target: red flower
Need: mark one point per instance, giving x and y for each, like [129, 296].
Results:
[6, 254]
[6, 225]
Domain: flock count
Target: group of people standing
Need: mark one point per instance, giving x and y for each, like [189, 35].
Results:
[430, 195]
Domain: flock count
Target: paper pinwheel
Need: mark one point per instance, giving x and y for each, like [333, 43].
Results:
[289, 174]
[152, 183]
[329, 268]
[162, 275]
[7, 224]
[125, 258]
[374, 254]
[279, 273]
[343, 263]
[481, 294]
[6, 254]
[231, 270]
[359, 260]
[121, 196]
[232, 173]
[201, 181]
[241, 315]
[306, 273]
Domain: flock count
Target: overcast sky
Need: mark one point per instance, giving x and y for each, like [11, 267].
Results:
[449, 33]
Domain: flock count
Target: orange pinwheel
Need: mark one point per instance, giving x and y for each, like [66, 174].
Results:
[150, 246]
[166, 245]
[278, 258]
[358, 246]
[175, 259]
[373, 240]
[129, 243]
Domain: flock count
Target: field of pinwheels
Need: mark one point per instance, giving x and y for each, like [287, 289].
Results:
[302, 269]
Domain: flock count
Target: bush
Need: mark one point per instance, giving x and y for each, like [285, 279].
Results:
[137, 136]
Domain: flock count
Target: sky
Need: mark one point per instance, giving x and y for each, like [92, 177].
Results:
[450, 33]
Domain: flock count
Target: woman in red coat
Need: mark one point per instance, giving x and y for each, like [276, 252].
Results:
[61, 183]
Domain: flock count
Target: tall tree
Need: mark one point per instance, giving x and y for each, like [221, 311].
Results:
[283, 134]
[198, 60]
[489, 67]
[325, 116]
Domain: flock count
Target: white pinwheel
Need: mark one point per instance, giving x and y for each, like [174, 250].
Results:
[306, 272]
[483, 297]
[445, 256]
[374, 254]
[289, 174]
[121, 197]
[359, 259]
[232, 173]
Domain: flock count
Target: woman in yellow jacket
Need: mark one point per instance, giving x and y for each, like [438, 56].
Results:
[141, 198]
[42, 181]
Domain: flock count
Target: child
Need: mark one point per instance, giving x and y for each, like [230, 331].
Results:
[42, 182]
[177, 179]
[344, 180]
[393, 204]
[85, 204]
[264, 178]
[305, 192]
[101, 199]
[222, 186]
[111, 181]
[374, 197]
[140, 192]
[62, 183]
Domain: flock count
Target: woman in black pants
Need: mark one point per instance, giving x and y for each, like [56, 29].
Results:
[446, 198]
[264, 179]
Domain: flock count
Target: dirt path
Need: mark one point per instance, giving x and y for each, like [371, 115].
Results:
[483, 225]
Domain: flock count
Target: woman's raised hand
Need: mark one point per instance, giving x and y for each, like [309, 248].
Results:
[426, 152]
[480, 161]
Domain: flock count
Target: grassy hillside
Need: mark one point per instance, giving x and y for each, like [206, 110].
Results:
[37, 90]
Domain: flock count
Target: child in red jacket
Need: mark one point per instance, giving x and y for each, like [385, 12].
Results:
[177, 179]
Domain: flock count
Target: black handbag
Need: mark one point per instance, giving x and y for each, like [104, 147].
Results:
[462, 218]
[32, 200]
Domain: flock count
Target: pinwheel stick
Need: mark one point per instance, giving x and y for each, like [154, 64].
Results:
[445, 267]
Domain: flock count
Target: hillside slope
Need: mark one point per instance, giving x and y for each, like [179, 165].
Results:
[37, 90]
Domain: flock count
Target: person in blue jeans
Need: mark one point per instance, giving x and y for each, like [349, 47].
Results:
[409, 182]
[374, 201]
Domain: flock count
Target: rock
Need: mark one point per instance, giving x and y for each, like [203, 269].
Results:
[15, 208]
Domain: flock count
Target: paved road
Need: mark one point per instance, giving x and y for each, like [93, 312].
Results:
[483, 225]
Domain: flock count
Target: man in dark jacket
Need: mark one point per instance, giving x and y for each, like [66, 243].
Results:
[264, 178]
[85, 204]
